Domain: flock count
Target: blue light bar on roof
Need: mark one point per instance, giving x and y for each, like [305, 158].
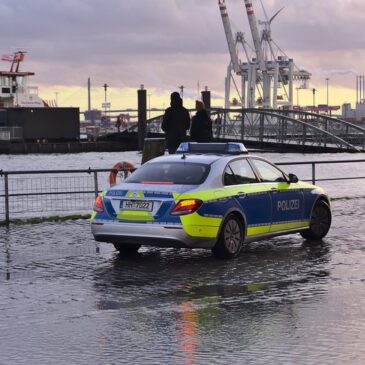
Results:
[229, 148]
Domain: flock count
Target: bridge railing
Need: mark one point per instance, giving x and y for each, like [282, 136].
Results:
[352, 133]
[283, 127]
[54, 194]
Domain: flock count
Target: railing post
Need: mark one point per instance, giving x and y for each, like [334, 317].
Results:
[304, 134]
[218, 124]
[224, 123]
[313, 173]
[261, 130]
[6, 194]
[325, 135]
[243, 125]
[96, 187]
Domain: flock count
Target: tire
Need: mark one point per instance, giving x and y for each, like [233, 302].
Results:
[126, 249]
[320, 222]
[230, 239]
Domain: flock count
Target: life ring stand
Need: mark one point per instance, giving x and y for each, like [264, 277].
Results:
[124, 166]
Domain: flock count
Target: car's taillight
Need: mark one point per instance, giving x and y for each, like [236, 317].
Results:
[186, 206]
[98, 205]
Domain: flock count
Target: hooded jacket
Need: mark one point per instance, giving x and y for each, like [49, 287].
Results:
[201, 127]
[175, 123]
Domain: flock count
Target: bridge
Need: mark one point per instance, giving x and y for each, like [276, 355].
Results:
[283, 129]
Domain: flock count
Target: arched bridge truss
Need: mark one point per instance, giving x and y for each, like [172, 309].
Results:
[282, 127]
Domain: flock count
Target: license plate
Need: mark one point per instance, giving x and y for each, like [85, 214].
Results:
[143, 205]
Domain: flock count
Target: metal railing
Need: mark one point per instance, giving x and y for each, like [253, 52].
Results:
[25, 195]
[45, 193]
[313, 164]
[282, 127]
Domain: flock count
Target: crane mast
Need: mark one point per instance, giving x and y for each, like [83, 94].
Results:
[255, 34]
[229, 36]
[268, 72]
[261, 61]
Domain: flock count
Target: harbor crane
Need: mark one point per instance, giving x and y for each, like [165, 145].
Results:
[266, 71]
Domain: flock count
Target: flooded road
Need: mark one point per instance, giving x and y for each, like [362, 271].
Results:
[66, 300]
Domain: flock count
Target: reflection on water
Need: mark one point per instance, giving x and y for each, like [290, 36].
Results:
[68, 300]
[188, 331]
[205, 301]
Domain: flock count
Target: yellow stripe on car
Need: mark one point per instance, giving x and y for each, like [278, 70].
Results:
[197, 226]
[135, 215]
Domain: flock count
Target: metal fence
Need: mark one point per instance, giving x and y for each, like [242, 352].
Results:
[48, 194]
[283, 127]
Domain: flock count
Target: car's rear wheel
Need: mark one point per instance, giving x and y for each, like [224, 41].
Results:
[126, 249]
[230, 239]
[320, 222]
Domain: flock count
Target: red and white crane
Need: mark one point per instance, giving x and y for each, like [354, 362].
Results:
[229, 36]
[268, 70]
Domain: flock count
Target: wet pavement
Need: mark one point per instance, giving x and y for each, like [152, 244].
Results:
[66, 300]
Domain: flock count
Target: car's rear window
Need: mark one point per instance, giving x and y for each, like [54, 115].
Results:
[170, 173]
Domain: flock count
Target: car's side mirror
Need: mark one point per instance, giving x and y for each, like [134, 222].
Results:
[293, 178]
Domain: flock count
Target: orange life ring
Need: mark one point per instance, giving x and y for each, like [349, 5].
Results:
[124, 166]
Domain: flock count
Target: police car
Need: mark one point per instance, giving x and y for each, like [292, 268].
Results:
[208, 195]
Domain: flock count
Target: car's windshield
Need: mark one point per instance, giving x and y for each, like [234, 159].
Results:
[170, 173]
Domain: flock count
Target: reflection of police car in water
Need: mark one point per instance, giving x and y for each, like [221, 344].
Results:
[208, 196]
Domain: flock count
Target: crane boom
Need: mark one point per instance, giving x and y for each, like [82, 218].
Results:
[229, 36]
[255, 34]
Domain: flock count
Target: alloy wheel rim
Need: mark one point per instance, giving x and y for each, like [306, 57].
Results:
[320, 220]
[232, 236]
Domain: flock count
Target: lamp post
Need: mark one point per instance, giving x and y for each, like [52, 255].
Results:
[181, 87]
[314, 97]
[105, 94]
[327, 79]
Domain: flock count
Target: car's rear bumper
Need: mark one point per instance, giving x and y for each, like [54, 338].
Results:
[150, 234]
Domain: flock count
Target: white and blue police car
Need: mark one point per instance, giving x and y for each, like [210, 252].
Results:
[208, 195]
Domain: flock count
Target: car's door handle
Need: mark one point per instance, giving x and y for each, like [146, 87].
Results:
[274, 190]
[241, 194]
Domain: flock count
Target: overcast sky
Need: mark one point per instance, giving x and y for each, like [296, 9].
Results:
[166, 43]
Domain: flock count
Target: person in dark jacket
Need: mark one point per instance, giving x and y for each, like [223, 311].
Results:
[201, 124]
[175, 123]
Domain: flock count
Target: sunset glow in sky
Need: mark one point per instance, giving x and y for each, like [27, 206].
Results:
[167, 43]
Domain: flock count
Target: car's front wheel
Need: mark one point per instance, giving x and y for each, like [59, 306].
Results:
[320, 222]
[126, 249]
[230, 239]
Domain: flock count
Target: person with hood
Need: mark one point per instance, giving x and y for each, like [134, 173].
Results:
[201, 124]
[175, 123]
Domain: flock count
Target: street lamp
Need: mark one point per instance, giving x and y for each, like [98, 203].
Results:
[181, 87]
[314, 97]
[327, 79]
[105, 98]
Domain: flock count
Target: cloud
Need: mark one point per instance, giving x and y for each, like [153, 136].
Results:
[343, 72]
[163, 43]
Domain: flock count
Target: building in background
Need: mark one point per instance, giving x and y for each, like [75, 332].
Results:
[24, 116]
